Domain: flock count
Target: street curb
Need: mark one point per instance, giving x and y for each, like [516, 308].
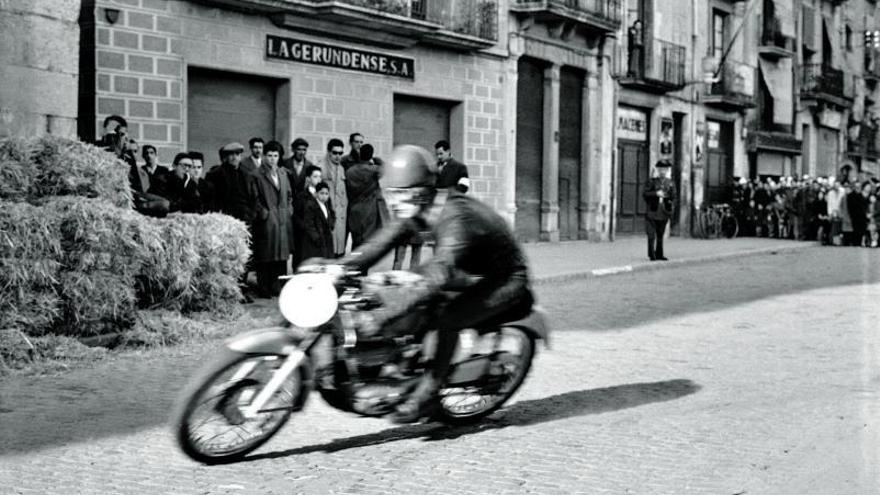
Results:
[651, 266]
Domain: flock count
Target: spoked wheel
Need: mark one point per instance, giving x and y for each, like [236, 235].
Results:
[729, 226]
[210, 423]
[512, 350]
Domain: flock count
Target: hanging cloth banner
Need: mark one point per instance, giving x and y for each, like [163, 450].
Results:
[833, 39]
[778, 78]
[785, 16]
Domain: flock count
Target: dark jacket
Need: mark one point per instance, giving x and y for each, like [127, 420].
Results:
[183, 194]
[273, 225]
[451, 174]
[659, 209]
[364, 200]
[472, 241]
[317, 241]
[231, 191]
[858, 211]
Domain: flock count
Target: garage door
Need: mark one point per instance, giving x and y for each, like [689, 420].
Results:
[225, 106]
[421, 121]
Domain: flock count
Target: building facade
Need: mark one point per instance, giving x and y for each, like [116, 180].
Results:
[560, 108]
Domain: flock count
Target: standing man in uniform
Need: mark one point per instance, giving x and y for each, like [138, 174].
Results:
[660, 196]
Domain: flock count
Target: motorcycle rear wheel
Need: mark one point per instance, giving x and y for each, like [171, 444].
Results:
[515, 368]
[225, 401]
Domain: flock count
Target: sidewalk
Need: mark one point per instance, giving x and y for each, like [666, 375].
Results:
[571, 260]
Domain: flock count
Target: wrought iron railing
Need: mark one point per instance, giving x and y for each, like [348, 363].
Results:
[820, 78]
[471, 17]
[606, 9]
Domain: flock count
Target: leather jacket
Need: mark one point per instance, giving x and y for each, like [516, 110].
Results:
[473, 242]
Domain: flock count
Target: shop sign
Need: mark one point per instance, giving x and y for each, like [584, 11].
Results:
[310, 52]
[699, 139]
[632, 124]
[713, 134]
[666, 147]
[830, 118]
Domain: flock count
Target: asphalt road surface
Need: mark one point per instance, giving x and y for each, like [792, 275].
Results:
[758, 375]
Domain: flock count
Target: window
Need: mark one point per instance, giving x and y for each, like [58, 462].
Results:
[849, 38]
[719, 25]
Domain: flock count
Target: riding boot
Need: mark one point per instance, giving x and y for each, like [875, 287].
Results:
[423, 402]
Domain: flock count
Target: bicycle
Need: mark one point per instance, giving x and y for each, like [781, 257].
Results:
[715, 221]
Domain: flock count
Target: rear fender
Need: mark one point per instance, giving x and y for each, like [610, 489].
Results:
[535, 324]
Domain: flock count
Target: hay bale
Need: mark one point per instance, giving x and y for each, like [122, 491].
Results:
[163, 327]
[96, 303]
[35, 169]
[95, 235]
[30, 247]
[30, 310]
[17, 172]
[203, 258]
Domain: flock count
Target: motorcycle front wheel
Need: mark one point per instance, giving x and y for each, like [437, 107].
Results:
[209, 423]
[511, 351]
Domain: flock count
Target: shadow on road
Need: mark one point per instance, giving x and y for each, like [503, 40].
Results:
[525, 413]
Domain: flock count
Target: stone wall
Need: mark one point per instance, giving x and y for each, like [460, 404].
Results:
[40, 60]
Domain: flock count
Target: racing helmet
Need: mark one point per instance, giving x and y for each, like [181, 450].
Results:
[409, 166]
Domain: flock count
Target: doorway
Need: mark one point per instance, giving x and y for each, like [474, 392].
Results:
[529, 148]
[633, 167]
[225, 107]
[571, 93]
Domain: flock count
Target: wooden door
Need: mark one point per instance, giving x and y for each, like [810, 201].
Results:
[571, 91]
[633, 173]
[420, 121]
[224, 107]
[719, 162]
[529, 148]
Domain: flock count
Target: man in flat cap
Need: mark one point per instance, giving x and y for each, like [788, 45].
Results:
[660, 196]
[230, 189]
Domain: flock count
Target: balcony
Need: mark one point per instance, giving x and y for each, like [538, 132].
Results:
[735, 91]
[595, 16]
[864, 144]
[660, 71]
[774, 45]
[822, 83]
[773, 141]
[456, 24]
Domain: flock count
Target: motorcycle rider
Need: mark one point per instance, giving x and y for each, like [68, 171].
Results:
[473, 243]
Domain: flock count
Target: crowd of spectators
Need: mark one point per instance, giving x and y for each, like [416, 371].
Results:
[839, 211]
[295, 209]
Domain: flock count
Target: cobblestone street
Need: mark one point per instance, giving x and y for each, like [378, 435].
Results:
[757, 375]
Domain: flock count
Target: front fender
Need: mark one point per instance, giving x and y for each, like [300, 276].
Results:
[535, 324]
[275, 340]
[271, 340]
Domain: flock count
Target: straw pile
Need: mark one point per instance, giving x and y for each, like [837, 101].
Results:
[204, 255]
[30, 260]
[76, 260]
[36, 169]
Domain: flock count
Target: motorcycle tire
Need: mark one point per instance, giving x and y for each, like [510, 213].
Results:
[205, 378]
[446, 416]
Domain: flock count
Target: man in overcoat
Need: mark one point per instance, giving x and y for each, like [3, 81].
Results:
[660, 196]
[297, 165]
[273, 225]
[364, 197]
[231, 190]
[334, 175]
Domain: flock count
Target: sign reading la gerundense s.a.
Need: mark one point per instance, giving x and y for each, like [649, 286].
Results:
[310, 52]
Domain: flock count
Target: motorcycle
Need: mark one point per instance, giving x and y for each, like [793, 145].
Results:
[246, 393]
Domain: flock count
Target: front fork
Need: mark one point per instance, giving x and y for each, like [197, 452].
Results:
[291, 362]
